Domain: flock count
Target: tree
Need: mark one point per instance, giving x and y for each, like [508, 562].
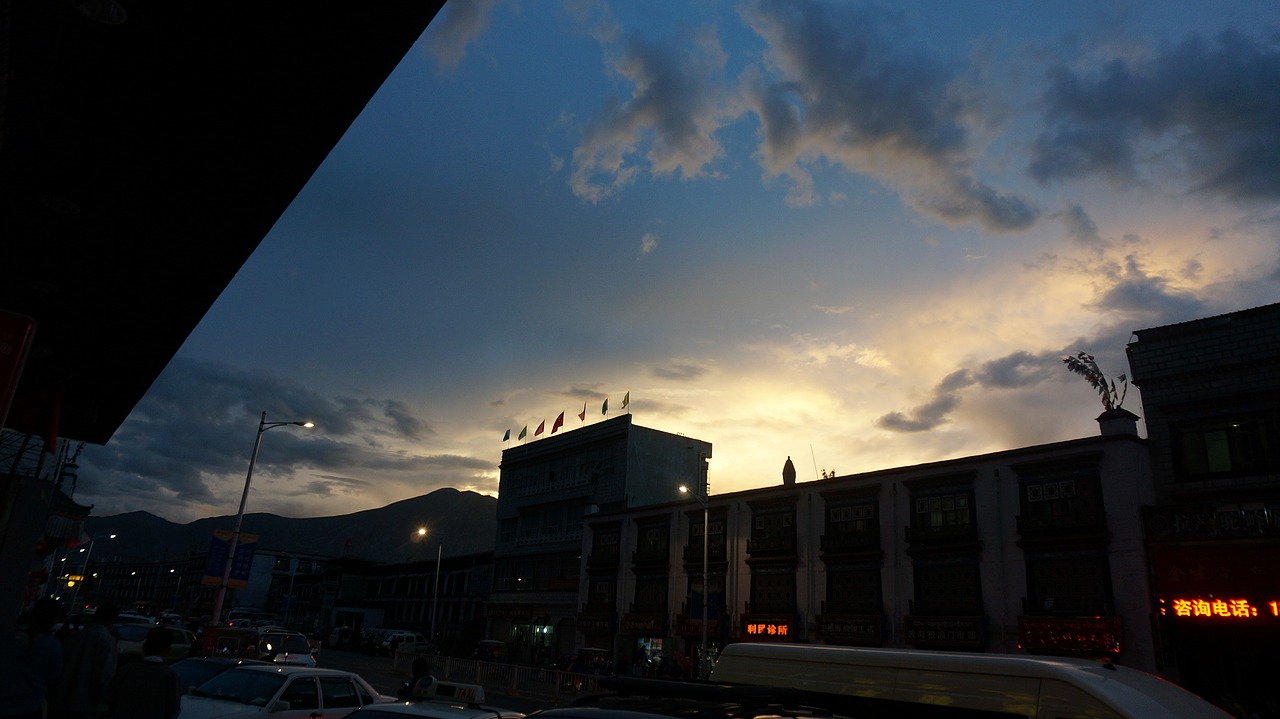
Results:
[1082, 363]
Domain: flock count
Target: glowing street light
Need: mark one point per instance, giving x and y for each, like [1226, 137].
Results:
[84, 569]
[435, 598]
[706, 580]
[263, 426]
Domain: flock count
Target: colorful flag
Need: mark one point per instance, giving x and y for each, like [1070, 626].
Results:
[506, 436]
[541, 426]
[626, 399]
[558, 423]
[523, 432]
[583, 414]
[604, 408]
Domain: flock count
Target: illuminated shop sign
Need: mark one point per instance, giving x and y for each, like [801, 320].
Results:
[772, 630]
[1230, 608]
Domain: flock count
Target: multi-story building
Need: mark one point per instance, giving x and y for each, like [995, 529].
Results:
[1036, 549]
[546, 488]
[1211, 398]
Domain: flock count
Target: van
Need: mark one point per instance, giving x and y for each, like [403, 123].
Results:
[909, 683]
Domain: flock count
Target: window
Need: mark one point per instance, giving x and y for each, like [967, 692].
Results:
[851, 518]
[947, 588]
[338, 693]
[1061, 497]
[301, 694]
[773, 592]
[940, 511]
[651, 594]
[853, 590]
[1069, 585]
[1230, 446]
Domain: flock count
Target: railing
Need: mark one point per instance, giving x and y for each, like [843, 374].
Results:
[507, 679]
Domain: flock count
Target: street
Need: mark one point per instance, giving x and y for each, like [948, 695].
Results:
[379, 672]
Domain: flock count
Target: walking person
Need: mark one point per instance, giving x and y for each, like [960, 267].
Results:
[30, 664]
[89, 663]
[148, 688]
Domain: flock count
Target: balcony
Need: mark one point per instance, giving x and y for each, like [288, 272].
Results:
[773, 546]
[949, 536]
[651, 557]
[846, 542]
[572, 535]
[692, 553]
[603, 560]
[1092, 524]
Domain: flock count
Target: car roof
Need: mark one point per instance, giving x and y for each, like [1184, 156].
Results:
[271, 668]
[437, 710]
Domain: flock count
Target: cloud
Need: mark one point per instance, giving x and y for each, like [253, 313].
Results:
[455, 27]
[680, 371]
[1080, 226]
[1202, 102]
[841, 85]
[184, 450]
[1146, 300]
[648, 243]
[665, 127]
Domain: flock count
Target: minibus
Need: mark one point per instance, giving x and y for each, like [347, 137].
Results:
[905, 683]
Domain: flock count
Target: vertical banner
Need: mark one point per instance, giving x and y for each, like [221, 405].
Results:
[217, 561]
[16, 332]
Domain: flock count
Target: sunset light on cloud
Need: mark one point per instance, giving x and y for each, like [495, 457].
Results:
[859, 234]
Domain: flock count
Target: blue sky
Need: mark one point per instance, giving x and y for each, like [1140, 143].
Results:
[862, 235]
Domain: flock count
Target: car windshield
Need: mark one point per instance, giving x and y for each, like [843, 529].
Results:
[244, 686]
[132, 632]
[291, 643]
[194, 672]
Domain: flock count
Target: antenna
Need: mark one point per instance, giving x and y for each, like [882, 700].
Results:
[815, 461]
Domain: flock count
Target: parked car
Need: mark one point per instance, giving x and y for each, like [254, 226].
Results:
[285, 647]
[439, 700]
[194, 671]
[129, 638]
[395, 641]
[281, 692]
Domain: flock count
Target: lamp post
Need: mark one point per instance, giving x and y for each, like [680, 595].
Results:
[84, 570]
[221, 595]
[435, 597]
[706, 580]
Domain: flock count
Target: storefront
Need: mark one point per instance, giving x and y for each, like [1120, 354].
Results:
[645, 635]
[1215, 580]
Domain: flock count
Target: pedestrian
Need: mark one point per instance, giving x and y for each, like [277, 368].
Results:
[30, 664]
[89, 663]
[148, 688]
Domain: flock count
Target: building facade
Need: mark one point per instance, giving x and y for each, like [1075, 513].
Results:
[1037, 549]
[546, 488]
[1211, 398]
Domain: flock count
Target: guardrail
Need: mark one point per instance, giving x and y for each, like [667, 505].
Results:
[509, 679]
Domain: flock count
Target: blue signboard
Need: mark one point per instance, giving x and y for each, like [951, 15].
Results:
[240, 566]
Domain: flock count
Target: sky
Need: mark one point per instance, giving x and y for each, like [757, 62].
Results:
[861, 235]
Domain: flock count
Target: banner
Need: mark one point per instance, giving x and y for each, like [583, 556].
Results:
[240, 566]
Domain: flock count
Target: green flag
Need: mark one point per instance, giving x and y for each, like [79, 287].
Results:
[626, 399]
[523, 432]
[604, 408]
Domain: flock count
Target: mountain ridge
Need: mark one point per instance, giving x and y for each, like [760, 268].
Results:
[465, 521]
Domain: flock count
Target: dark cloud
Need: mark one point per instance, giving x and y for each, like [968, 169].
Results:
[457, 24]
[196, 429]
[1080, 226]
[1145, 300]
[1211, 103]
[843, 85]
[1015, 370]
[667, 125]
[679, 371]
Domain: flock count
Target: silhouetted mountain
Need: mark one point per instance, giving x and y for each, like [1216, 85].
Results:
[465, 521]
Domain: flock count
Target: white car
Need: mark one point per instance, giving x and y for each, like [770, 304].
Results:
[281, 692]
[439, 700]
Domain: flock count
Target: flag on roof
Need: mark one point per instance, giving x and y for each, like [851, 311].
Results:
[626, 399]
[506, 436]
[558, 423]
[541, 426]
[583, 414]
[523, 432]
[604, 408]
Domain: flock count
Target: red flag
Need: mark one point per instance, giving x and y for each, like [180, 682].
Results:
[558, 423]
[541, 426]
[583, 414]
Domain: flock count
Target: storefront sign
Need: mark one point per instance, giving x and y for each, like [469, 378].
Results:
[945, 631]
[645, 625]
[761, 628]
[687, 626]
[861, 628]
[1220, 608]
[1215, 571]
[1088, 636]
[509, 612]
[596, 622]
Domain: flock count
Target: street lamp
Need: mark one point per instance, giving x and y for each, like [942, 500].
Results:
[435, 598]
[706, 580]
[263, 426]
[84, 570]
